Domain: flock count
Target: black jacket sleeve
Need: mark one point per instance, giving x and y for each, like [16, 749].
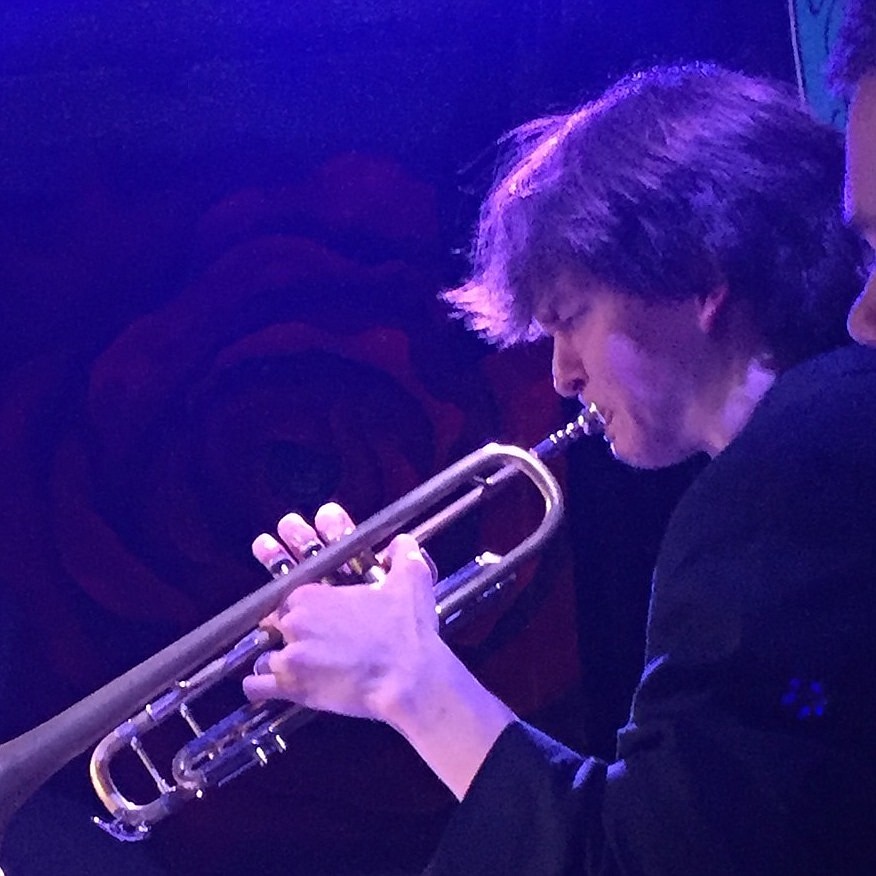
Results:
[534, 807]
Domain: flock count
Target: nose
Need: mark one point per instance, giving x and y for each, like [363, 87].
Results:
[862, 319]
[570, 377]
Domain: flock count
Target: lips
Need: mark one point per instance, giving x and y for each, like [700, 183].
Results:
[604, 416]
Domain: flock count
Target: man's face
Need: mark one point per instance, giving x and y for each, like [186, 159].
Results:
[645, 366]
[861, 197]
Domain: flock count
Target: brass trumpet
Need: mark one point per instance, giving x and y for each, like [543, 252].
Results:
[248, 736]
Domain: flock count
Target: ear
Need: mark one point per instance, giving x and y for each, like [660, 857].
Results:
[711, 306]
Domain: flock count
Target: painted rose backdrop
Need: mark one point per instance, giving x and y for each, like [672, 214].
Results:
[295, 351]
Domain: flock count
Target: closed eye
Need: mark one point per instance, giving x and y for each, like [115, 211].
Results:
[552, 322]
[567, 322]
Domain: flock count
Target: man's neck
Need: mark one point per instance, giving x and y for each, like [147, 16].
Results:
[734, 405]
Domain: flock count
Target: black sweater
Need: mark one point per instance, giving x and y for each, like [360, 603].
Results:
[751, 744]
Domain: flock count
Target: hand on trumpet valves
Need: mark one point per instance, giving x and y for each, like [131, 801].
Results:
[359, 650]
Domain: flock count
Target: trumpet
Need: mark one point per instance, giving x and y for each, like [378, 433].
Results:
[250, 735]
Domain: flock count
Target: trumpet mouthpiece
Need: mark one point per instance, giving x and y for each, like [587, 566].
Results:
[588, 422]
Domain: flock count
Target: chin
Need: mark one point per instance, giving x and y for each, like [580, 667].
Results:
[648, 457]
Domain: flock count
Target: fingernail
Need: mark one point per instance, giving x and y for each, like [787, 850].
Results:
[262, 664]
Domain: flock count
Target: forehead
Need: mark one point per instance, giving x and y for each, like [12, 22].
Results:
[860, 195]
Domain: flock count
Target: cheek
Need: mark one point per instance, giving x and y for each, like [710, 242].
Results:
[635, 373]
[622, 363]
[648, 399]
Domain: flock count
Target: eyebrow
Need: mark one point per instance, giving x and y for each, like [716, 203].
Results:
[545, 319]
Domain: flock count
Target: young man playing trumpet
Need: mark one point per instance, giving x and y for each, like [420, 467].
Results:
[680, 241]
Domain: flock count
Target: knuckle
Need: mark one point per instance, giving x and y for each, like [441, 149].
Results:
[290, 626]
[295, 653]
[299, 598]
[282, 661]
[297, 619]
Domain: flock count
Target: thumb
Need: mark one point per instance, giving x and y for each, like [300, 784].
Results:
[406, 560]
[409, 566]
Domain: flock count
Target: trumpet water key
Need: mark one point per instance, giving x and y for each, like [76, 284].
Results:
[249, 735]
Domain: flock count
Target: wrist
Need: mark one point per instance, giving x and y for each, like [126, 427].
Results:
[449, 718]
[412, 697]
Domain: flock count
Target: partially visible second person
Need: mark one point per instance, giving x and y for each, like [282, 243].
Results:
[854, 75]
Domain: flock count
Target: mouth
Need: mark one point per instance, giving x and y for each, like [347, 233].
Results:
[600, 418]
